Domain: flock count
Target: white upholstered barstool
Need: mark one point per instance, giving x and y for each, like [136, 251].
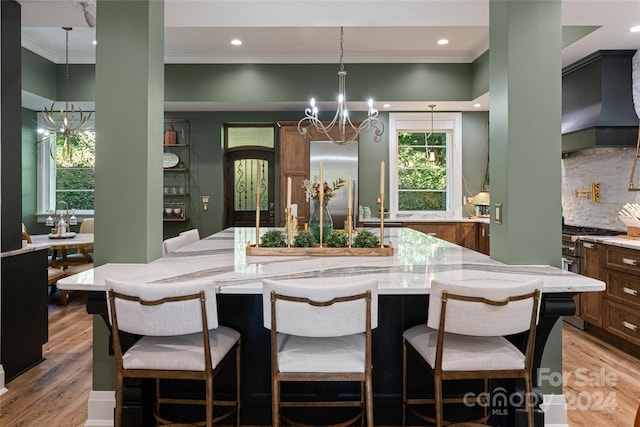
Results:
[464, 338]
[321, 334]
[191, 236]
[174, 243]
[181, 339]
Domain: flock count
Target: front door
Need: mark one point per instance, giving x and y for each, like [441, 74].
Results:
[249, 170]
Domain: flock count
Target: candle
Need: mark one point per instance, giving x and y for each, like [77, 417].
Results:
[257, 203]
[289, 195]
[349, 194]
[321, 186]
[382, 177]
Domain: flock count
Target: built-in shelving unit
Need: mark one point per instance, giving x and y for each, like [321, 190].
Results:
[176, 163]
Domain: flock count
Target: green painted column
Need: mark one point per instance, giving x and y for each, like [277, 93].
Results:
[525, 147]
[129, 136]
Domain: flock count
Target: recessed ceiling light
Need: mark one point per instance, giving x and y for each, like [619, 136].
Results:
[635, 29]
[477, 105]
[386, 105]
[236, 42]
[443, 42]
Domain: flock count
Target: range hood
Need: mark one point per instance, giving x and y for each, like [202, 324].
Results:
[597, 102]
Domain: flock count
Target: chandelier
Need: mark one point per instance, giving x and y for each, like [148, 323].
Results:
[65, 121]
[347, 131]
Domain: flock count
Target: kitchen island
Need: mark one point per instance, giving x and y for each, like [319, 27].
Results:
[404, 282]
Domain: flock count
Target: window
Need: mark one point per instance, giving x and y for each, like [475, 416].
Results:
[425, 164]
[66, 172]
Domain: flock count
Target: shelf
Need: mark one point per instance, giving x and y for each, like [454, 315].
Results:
[177, 178]
[174, 219]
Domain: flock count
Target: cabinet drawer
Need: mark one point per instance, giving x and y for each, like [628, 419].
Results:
[443, 230]
[622, 321]
[621, 258]
[623, 288]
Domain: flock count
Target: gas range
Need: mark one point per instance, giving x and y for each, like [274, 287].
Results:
[575, 230]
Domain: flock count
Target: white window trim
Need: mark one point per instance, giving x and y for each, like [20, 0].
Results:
[442, 122]
[46, 179]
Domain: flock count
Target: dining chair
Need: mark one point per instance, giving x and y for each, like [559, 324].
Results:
[82, 256]
[172, 244]
[25, 234]
[321, 334]
[191, 236]
[465, 339]
[181, 339]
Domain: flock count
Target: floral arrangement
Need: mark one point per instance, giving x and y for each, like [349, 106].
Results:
[312, 188]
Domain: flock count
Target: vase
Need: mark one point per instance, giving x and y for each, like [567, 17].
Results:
[314, 220]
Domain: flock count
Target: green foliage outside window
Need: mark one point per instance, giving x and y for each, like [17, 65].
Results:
[75, 170]
[422, 171]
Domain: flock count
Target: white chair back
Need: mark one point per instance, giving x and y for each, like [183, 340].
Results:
[303, 319]
[481, 319]
[166, 319]
[173, 244]
[86, 226]
[191, 236]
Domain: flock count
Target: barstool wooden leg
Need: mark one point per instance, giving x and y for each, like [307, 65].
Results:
[438, 392]
[404, 382]
[275, 403]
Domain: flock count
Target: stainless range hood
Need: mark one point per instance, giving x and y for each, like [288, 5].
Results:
[597, 102]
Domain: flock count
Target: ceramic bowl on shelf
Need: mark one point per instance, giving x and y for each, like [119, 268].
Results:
[177, 211]
[168, 211]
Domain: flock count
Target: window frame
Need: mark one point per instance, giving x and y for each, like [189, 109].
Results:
[421, 122]
[46, 176]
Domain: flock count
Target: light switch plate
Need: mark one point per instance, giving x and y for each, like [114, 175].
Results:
[498, 218]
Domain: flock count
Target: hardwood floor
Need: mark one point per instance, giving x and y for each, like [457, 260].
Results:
[55, 392]
[602, 383]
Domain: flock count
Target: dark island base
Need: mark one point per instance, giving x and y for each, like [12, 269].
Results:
[397, 313]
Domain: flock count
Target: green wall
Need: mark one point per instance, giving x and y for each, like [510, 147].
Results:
[29, 172]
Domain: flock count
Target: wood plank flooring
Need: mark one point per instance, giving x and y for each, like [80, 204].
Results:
[55, 392]
[602, 383]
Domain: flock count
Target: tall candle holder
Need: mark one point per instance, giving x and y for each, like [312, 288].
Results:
[381, 220]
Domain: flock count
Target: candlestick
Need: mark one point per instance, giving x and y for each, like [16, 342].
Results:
[258, 207]
[321, 197]
[289, 192]
[321, 186]
[350, 194]
[382, 177]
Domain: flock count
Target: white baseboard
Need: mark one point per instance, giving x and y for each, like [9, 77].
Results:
[3, 389]
[555, 410]
[100, 409]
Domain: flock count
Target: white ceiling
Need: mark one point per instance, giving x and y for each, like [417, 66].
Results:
[307, 31]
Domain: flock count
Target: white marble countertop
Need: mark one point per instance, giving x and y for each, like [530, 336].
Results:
[220, 259]
[614, 241]
[375, 219]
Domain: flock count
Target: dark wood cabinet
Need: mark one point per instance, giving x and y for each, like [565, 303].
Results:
[449, 231]
[590, 303]
[613, 315]
[469, 235]
[484, 238]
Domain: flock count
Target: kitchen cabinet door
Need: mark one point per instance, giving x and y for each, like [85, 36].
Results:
[483, 239]
[591, 266]
[449, 231]
[469, 238]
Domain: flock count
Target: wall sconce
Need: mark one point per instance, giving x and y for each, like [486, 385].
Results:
[205, 203]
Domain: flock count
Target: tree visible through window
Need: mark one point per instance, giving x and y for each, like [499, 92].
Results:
[75, 170]
[422, 171]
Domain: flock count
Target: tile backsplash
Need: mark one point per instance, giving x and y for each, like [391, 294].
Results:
[611, 167]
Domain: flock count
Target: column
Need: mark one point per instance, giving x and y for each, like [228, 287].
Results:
[129, 131]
